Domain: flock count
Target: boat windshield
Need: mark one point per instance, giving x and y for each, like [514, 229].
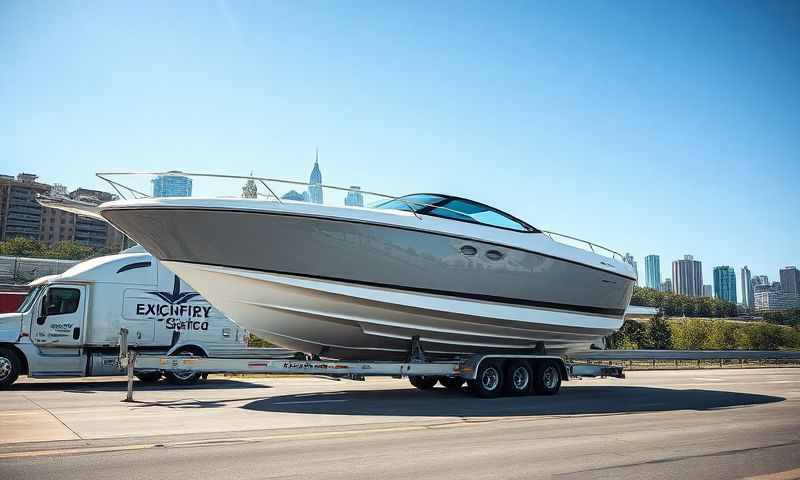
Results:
[455, 208]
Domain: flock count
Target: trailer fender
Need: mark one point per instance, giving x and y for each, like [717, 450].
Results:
[200, 350]
[470, 366]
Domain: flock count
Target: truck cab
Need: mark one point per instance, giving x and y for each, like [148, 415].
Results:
[69, 324]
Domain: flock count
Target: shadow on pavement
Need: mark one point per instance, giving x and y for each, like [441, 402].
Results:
[570, 401]
[122, 386]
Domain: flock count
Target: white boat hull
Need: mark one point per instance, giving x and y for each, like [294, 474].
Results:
[343, 320]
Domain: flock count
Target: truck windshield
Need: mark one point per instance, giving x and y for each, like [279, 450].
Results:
[29, 299]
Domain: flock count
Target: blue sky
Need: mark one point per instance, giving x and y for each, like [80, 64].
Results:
[652, 127]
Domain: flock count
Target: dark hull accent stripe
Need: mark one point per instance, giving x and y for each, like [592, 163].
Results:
[616, 312]
[385, 225]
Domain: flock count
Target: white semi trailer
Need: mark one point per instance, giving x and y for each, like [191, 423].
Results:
[68, 325]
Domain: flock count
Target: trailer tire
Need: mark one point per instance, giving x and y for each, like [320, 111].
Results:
[148, 377]
[546, 377]
[519, 377]
[452, 383]
[422, 382]
[489, 381]
[185, 378]
[10, 367]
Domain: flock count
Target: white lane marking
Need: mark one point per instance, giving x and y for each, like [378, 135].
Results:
[309, 401]
[708, 379]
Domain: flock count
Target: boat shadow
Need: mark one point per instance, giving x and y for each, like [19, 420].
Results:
[583, 400]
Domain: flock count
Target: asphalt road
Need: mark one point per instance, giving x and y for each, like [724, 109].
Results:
[669, 424]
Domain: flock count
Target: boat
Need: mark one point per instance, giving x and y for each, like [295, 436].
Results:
[360, 283]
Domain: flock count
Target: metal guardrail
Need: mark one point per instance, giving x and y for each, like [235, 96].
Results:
[623, 355]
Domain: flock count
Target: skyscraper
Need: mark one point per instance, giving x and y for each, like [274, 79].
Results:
[790, 281]
[315, 189]
[354, 197]
[250, 190]
[746, 282]
[687, 276]
[630, 261]
[666, 285]
[760, 280]
[172, 186]
[725, 283]
[707, 291]
[652, 271]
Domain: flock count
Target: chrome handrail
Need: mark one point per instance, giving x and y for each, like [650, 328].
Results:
[591, 245]
[264, 180]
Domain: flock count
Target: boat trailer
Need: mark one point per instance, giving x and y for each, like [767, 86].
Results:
[417, 367]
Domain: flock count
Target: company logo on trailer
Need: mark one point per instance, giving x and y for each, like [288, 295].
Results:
[176, 313]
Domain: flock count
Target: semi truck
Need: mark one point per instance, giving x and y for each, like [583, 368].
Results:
[68, 324]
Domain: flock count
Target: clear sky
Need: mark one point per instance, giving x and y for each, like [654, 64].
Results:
[660, 127]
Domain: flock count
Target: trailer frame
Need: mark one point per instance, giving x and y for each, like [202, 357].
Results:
[467, 368]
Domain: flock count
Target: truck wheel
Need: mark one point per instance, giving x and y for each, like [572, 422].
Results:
[518, 377]
[488, 382]
[10, 366]
[184, 377]
[547, 378]
[423, 382]
[452, 383]
[148, 377]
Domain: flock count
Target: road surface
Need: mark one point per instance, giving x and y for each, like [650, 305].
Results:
[665, 424]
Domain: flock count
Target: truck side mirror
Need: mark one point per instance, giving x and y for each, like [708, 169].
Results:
[43, 310]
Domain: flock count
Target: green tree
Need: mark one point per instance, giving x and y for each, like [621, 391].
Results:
[658, 334]
[21, 247]
[721, 336]
[69, 250]
[690, 334]
[632, 335]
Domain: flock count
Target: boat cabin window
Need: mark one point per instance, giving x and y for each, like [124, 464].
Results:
[459, 209]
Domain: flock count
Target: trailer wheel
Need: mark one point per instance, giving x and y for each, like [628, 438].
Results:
[148, 377]
[547, 379]
[10, 366]
[423, 382]
[488, 382]
[518, 377]
[452, 383]
[184, 377]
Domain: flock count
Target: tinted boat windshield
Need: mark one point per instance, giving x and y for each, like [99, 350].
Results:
[459, 209]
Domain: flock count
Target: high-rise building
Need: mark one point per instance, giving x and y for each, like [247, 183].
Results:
[666, 285]
[20, 213]
[95, 233]
[630, 261]
[652, 271]
[295, 196]
[708, 292]
[725, 283]
[354, 197]
[315, 189]
[687, 276]
[172, 185]
[760, 280]
[790, 280]
[746, 281]
[770, 298]
[250, 190]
